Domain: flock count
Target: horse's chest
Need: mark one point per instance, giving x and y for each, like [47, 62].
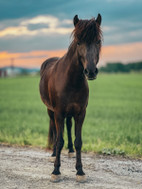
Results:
[78, 95]
[75, 102]
[73, 109]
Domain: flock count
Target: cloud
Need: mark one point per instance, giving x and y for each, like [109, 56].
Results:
[47, 25]
[33, 25]
[34, 43]
[36, 26]
[16, 31]
[121, 32]
[51, 20]
[47, 32]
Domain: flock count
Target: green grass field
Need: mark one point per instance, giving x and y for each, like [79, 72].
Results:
[113, 124]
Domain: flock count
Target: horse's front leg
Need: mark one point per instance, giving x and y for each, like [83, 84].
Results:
[59, 121]
[52, 135]
[70, 144]
[78, 144]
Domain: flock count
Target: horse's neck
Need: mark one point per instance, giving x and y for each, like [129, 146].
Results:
[74, 67]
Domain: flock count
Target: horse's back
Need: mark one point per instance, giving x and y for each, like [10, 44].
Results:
[47, 63]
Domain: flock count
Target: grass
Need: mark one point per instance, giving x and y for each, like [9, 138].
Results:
[113, 123]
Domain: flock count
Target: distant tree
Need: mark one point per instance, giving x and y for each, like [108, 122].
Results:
[24, 71]
[119, 67]
[134, 66]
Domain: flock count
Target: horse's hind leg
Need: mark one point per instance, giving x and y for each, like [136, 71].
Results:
[52, 135]
[70, 144]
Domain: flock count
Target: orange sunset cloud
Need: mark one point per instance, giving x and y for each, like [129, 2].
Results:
[123, 53]
[28, 59]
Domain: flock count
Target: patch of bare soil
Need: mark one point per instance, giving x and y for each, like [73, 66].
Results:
[24, 168]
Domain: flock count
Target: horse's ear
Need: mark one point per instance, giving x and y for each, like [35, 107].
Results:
[99, 19]
[75, 20]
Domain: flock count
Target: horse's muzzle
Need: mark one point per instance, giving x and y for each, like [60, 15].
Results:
[91, 75]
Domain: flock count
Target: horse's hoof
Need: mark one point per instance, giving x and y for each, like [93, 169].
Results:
[52, 159]
[81, 178]
[55, 178]
[71, 155]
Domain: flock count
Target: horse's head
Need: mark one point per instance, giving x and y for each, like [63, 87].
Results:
[87, 36]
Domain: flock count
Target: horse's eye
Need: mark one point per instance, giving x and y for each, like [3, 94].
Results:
[78, 43]
[98, 42]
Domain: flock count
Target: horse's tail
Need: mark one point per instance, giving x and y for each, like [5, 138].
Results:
[46, 62]
[50, 136]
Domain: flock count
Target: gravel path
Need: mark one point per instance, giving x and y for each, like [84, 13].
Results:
[24, 168]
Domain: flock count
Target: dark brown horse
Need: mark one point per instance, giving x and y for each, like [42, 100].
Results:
[64, 88]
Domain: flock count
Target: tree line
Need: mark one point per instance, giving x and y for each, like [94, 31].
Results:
[120, 67]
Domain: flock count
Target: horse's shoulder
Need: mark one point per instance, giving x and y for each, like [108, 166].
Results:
[48, 63]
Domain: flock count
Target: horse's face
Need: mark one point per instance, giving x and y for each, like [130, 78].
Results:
[89, 49]
[89, 57]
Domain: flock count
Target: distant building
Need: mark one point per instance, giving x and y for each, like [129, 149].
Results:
[3, 73]
[10, 71]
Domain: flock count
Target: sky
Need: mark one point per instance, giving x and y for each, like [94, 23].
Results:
[32, 30]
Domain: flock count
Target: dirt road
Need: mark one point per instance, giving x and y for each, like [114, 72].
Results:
[24, 168]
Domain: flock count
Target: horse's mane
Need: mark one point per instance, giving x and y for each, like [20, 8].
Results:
[87, 31]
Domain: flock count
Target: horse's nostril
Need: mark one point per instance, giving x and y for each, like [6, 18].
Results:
[86, 72]
[90, 73]
[96, 71]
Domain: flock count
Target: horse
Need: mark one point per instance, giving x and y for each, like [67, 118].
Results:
[64, 89]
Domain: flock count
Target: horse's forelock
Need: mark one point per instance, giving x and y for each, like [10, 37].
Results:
[87, 31]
